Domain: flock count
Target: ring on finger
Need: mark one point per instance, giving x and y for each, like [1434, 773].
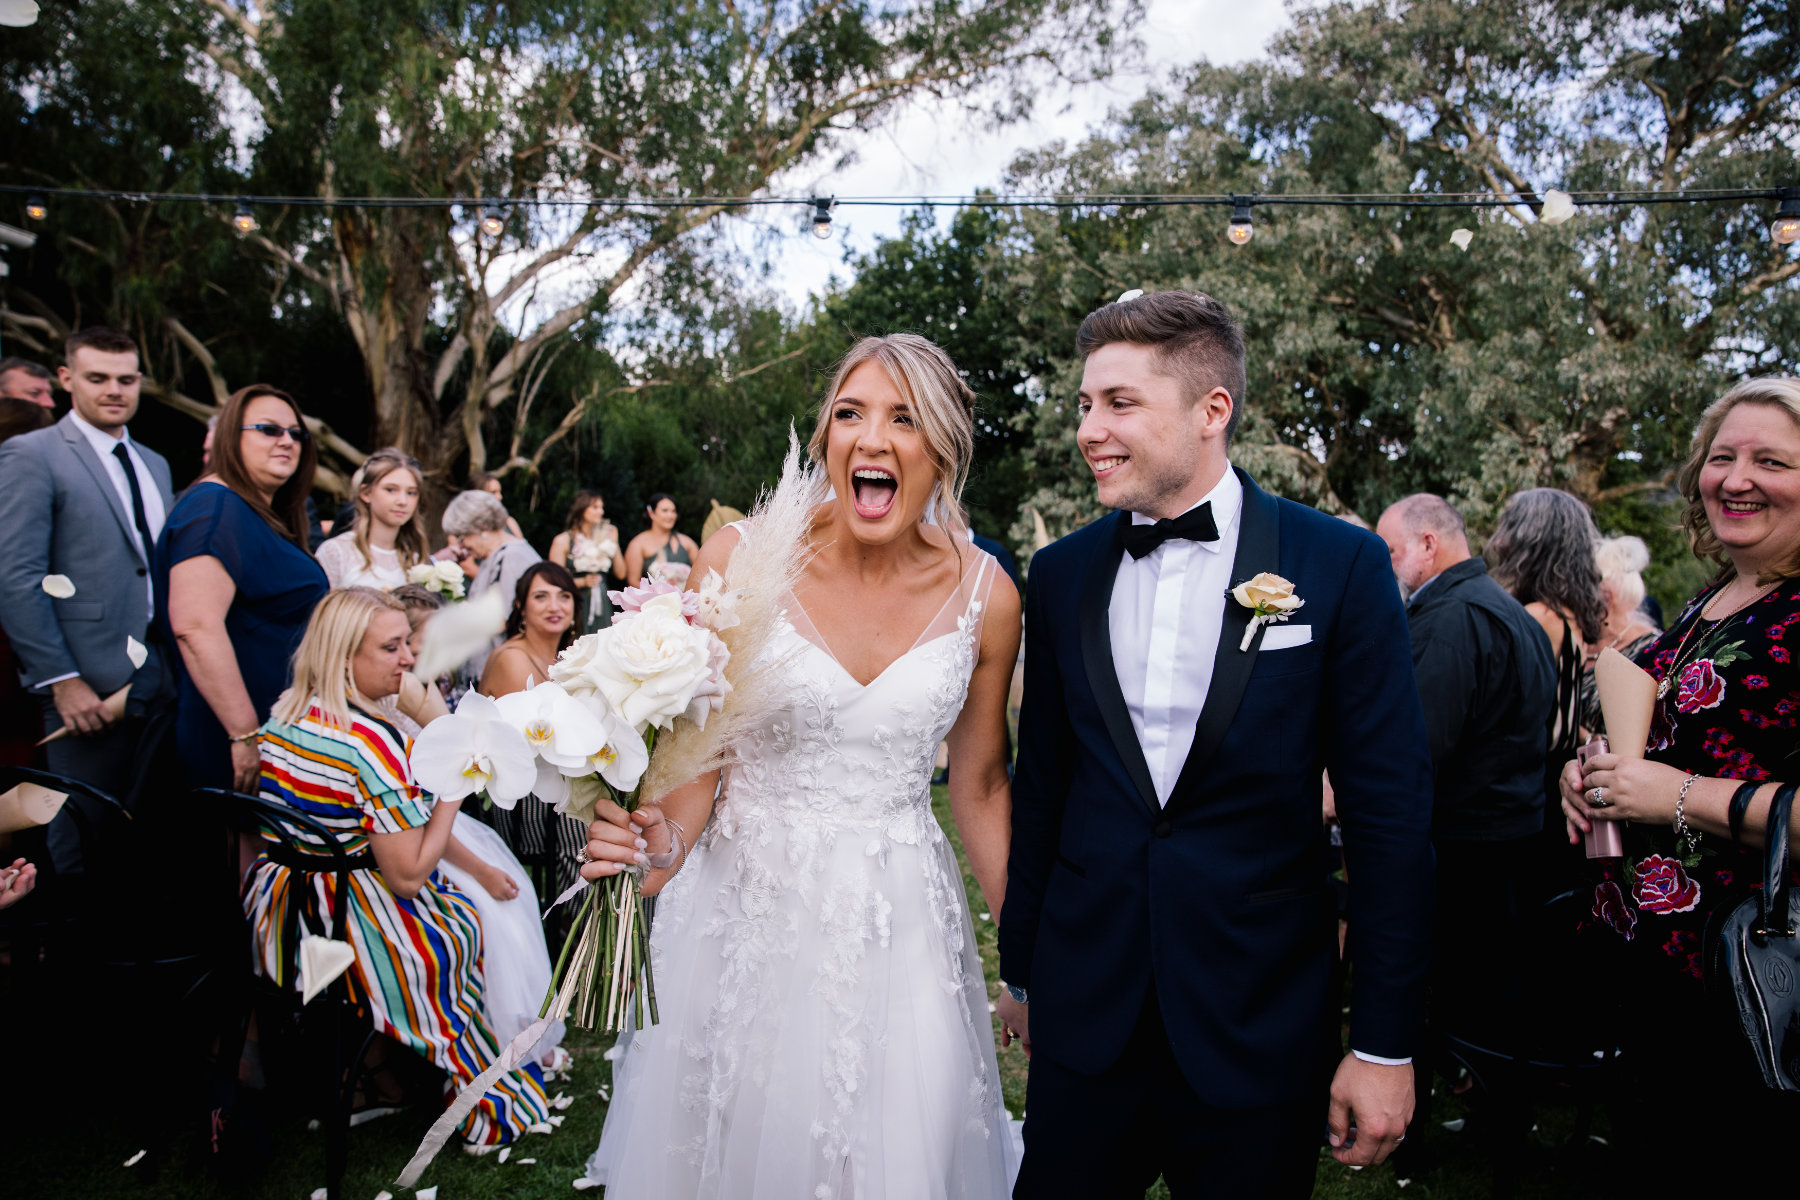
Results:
[1597, 797]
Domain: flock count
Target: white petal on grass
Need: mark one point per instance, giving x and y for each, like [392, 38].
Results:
[528, 1162]
[505, 1153]
[558, 1120]
[473, 750]
[60, 586]
[1461, 238]
[561, 1102]
[135, 651]
[384, 1194]
[458, 632]
[612, 1054]
[1558, 207]
[320, 1194]
[583, 1184]
[137, 1158]
[541, 1127]
[429, 1193]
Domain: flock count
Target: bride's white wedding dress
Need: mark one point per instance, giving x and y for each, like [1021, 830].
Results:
[824, 1025]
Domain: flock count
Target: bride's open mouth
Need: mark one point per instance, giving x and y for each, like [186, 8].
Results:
[873, 491]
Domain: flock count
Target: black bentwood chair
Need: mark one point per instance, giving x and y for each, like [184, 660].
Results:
[308, 849]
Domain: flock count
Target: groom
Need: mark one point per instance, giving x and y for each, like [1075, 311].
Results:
[1169, 932]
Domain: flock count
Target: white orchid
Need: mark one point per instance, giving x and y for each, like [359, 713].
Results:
[471, 750]
[559, 730]
[714, 607]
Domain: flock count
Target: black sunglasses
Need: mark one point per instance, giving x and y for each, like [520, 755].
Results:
[274, 432]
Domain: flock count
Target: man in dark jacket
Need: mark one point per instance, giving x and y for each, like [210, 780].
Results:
[1488, 682]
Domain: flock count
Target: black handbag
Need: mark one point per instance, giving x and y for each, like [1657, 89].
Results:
[1755, 952]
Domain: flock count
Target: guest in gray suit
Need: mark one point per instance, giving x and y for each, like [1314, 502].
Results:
[84, 501]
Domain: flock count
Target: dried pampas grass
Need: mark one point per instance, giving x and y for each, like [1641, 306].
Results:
[771, 554]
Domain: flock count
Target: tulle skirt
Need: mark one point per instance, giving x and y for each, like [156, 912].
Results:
[824, 1031]
[515, 961]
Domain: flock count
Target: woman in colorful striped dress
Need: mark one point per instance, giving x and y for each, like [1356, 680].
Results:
[417, 938]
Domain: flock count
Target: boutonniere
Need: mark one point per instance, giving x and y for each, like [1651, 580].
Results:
[1269, 597]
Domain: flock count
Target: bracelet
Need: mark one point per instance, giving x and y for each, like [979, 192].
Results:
[252, 736]
[1682, 830]
[671, 856]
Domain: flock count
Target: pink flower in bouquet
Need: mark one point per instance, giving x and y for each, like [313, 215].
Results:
[630, 602]
[1663, 886]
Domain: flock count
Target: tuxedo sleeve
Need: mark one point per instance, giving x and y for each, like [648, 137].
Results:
[1040, 780]
[1380, 762]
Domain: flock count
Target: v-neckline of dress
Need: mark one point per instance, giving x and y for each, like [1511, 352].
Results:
[919, 640]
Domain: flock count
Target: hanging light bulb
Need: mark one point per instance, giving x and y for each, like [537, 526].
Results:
[243, 220]
[34, 207]
[1786, 228]
[821, 222]
[1241, 230]
[493, 218]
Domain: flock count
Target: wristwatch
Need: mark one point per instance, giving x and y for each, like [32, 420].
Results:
[1018, 993]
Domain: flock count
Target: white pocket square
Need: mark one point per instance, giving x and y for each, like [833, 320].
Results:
[1285, 637]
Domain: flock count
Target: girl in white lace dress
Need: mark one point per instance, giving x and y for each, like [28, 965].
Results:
[824, 1025]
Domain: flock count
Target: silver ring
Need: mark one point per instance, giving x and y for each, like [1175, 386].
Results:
[581, 855]
[1597, 797]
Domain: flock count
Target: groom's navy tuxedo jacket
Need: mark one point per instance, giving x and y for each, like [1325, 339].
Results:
[1220, 900]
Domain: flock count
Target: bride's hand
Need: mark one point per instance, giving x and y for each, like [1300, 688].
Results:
[617, 839]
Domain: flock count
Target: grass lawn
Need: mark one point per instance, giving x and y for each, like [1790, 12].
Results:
[78, 1142]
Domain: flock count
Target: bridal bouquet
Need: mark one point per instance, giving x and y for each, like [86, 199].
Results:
[593, 558]
[662, 696]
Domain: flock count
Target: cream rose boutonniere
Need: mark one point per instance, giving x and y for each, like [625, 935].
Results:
[1269, 597]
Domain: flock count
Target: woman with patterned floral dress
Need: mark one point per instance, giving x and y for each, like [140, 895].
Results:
[1728, 712]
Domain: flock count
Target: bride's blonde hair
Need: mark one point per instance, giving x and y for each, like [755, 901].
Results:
[941, 403]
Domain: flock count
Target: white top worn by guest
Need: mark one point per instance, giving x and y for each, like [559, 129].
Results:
[346, 567]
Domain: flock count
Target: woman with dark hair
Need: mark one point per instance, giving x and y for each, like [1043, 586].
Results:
[235, 585]
[589, 547]
[659, 552]
[540, 626]
[1543, 553]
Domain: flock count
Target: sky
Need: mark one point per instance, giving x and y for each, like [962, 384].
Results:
[934, 148]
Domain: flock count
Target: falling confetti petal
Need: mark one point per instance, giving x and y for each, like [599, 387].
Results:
[1558, 207]
[60, 586]
[321, 1194]
[135, 1159]
[312, 1126]
[583, 1184]
[528, 1162]
[992, 1007]
[986, 917]
[1461, 238]
[1455, 1126]
[134, 650]
[505, 1153]
[1133, 294]
[1401, 1182]
[321, 961]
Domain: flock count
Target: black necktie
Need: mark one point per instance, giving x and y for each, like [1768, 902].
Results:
[1194, 525]
[137, 501]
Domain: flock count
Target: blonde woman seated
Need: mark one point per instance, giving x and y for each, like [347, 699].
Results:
[327, 752]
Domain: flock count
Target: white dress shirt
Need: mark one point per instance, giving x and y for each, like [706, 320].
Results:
[1167, 610]
[154, 514]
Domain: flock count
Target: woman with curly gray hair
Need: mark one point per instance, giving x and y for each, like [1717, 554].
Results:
[478, 523]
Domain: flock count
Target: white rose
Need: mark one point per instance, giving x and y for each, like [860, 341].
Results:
[1267, 592]
[650, 668]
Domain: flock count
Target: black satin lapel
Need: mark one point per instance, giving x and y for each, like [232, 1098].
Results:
[1258, 550]
[1096, 656]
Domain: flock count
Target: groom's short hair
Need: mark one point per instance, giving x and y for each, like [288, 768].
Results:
[1194, 335]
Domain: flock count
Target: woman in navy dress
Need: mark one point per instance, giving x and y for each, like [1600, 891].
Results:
[235, 585]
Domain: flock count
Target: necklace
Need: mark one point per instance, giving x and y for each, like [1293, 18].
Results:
[1674, 672]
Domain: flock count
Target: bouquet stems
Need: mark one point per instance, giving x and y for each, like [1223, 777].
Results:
[608, 947]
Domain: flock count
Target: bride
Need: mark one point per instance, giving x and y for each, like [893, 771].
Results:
[824, 1020]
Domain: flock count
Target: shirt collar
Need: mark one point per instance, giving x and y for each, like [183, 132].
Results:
[102, 441]
[1226, 498]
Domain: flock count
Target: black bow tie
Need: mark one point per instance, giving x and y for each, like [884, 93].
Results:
[1194, 525]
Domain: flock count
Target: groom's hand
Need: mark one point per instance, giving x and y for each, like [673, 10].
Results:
[1376, 1102]
[1015, 1022]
